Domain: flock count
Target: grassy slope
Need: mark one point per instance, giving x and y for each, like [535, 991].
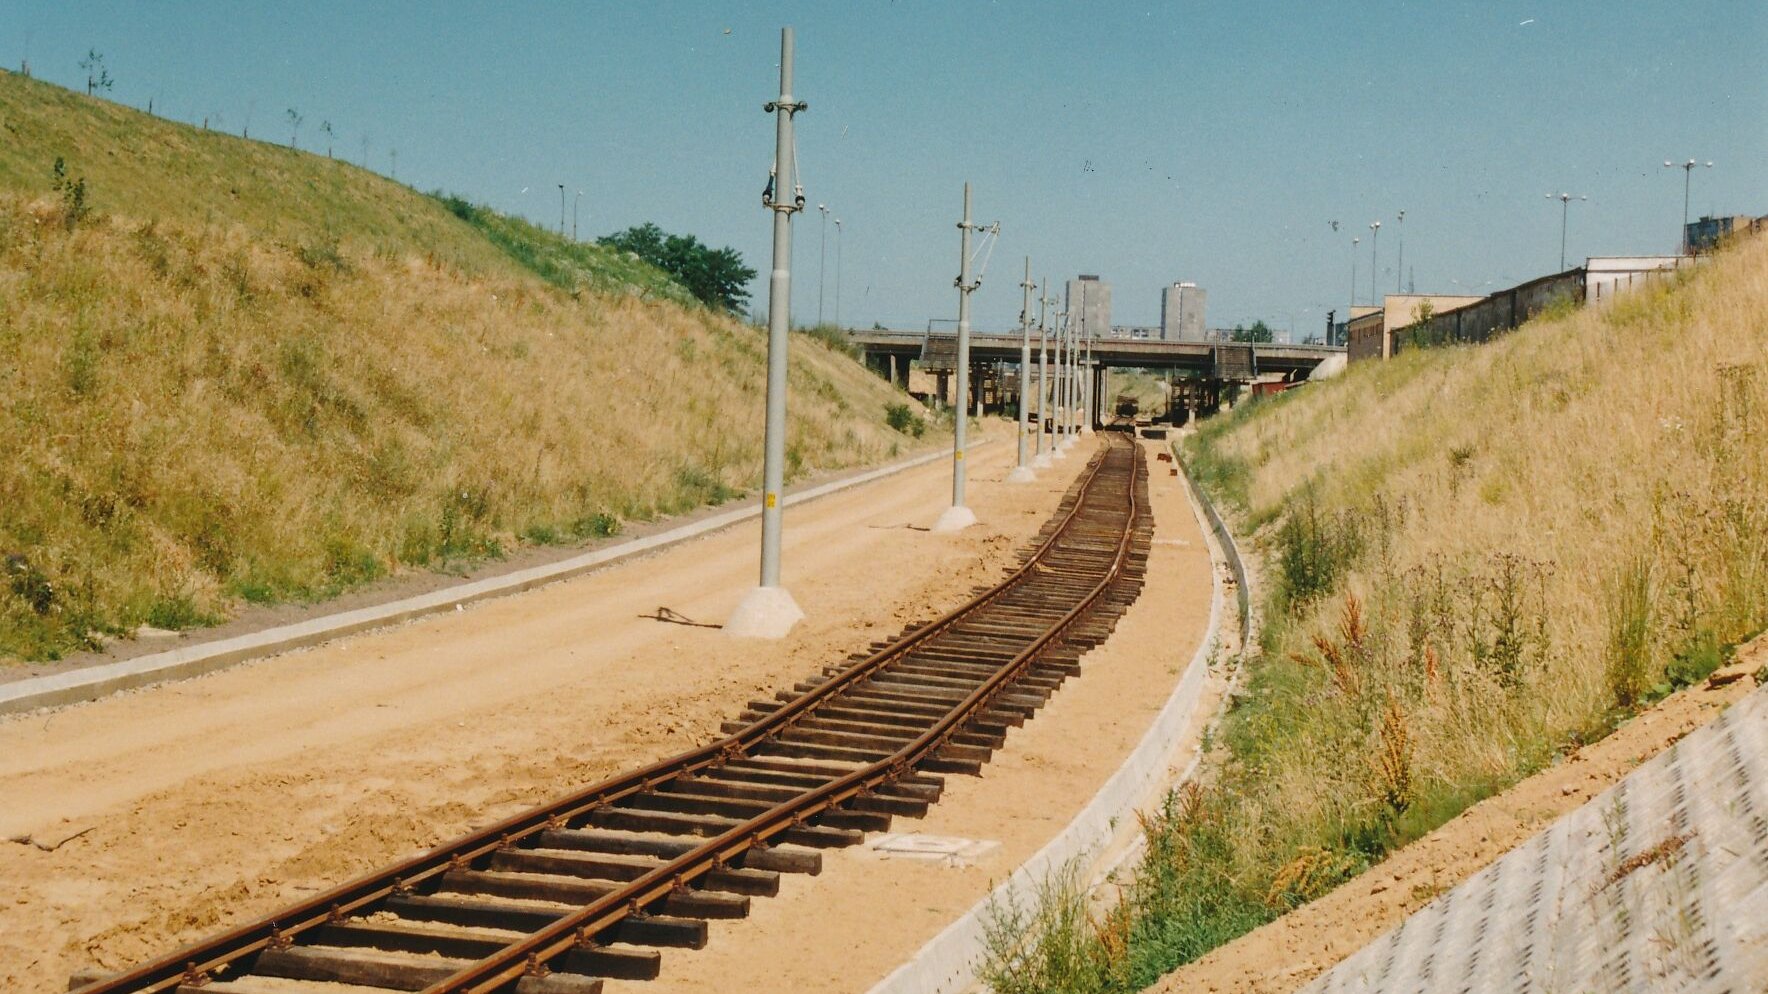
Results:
[275, 376]
[1538, 536]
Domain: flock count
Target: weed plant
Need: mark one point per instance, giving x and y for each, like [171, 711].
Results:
[1478, 558]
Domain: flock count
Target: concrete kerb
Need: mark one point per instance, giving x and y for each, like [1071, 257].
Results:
[91, 683]
[949, 962]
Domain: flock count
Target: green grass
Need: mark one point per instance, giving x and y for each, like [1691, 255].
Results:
[569, 265]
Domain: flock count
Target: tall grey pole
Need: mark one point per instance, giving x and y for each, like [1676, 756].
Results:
[1687, 178]
[1400, 266]
[1374, 261]
[769, 611]
[1043, 372]
[1354, 243]
[1022, 470]
[958, 516]
[822, 261]
[1058, 428]
[837, 272]
[1088, 386]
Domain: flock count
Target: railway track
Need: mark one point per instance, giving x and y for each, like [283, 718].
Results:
[596, 884]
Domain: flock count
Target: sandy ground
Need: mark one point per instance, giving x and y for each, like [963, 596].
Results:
[412, 582]
[1286, 954]
[847, 928]
[160, 814]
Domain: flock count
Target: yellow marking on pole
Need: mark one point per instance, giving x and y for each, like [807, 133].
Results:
[959, 455]
[771, 500]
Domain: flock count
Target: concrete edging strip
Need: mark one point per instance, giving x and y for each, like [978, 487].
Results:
[948, 962]
[93, 682]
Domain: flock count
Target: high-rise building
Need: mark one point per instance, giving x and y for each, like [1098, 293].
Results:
[1089, 306]
[1181, 312]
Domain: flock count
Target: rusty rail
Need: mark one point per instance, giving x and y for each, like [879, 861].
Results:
[530, 956]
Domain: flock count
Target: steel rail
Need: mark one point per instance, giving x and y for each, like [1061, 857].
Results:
[278, 929]
[529, 955]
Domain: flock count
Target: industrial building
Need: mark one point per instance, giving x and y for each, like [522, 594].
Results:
[1181, 312]
[1089, 306]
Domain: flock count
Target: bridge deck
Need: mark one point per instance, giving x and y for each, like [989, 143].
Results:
[1114, 352]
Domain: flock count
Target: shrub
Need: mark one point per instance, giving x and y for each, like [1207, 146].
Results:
[900, 417]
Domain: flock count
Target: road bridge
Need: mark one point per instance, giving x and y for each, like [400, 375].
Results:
[1208, 367]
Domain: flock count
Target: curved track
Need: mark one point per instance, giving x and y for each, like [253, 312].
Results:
[554, 899]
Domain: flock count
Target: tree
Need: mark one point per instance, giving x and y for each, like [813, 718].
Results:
[716, 277]
[1259, 332]
[295, 120]
[97, 76]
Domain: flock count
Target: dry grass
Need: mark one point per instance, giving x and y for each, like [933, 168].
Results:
[194, 415]
[1479, 557]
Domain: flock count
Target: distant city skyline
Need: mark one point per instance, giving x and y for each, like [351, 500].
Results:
[1148, 144]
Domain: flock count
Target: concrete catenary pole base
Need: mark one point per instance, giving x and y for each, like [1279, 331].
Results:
[765, 613]
[955, 519]
[1022, 474]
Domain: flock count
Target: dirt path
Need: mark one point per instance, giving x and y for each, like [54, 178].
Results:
[225, 796]
[1286, 954]
[847, 928]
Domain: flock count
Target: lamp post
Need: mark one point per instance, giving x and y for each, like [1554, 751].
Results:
[1565, 204]
[561, 210]
[1354, 243]
[1687, 172]
[1400, 266]
[822, 260]
[1374, 260]
[574, 202]
[837, 272]
[769, 611]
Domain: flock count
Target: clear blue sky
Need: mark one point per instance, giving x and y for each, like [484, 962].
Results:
[1148, 143]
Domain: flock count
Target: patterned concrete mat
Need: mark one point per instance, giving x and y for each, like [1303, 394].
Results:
[1660, 884]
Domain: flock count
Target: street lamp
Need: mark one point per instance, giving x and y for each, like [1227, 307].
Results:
[822, 262]
[1687, 172]
[1374, 257]
[1354, 243]
[574, 201]
[1400, 267]
[1565, 203]
[561, 210]
[837, 272]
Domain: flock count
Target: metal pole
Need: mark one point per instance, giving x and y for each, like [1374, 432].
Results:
[1058, 427]
[561, 210]
[837, 272]
[769, 611]
[958, 516]
[1043, 371]
[574, 202]
[1021, 470]
[822, 261]
[1565, 212]
[1400, 266]
[1354, 243]
[1374, 261]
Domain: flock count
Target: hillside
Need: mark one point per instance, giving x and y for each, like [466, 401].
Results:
[1475, 560]
[239, 373]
